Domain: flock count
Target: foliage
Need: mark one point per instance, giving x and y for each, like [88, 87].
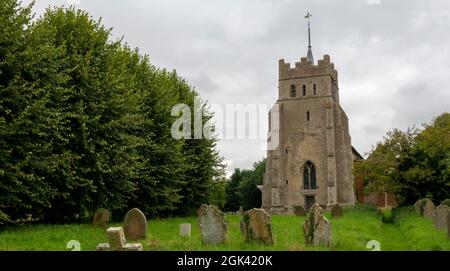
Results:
[85, 123]
[249, 193]
[233, 199]
[412, 164]
[242, 187]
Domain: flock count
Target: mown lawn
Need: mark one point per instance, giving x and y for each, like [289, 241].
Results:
[350, 232]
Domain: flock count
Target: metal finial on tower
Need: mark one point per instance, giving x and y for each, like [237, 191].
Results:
[309, 56]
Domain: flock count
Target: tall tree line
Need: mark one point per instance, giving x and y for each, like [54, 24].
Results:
[85, 122]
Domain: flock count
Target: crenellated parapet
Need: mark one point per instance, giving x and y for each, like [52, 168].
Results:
[305, 68]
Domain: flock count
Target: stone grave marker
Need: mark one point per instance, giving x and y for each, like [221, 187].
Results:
[256, 226]
[299, 210]
[101, 218]
[213, 226]
[135, 225]
[337, 210]
[428, 208]
[185, 229]
[441, 217]
[316, 228]
[117, 241]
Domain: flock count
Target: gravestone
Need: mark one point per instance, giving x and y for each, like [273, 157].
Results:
[441, 217]
[213, 226]
[117, 241]
[317, 229]
[185, 229]
[135, 225]
[424, 207]
[428, 208]
[299, 210]
[448, 226]
[336, 210]
[418, 207]
[256, 226]
[101, 218]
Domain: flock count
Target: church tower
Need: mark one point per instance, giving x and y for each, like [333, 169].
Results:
[309, 157]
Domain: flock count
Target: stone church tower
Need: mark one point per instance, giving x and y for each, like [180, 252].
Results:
[309, 157]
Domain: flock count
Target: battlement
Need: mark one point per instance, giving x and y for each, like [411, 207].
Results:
[305, 68]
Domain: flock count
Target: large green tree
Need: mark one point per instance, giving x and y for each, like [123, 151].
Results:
[242, 188]
[85, 122]
[412, 164]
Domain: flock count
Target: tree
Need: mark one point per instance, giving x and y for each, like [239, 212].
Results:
[233, 198]
[85, 123]
[242, 189]
[413, 164]
[250, 194]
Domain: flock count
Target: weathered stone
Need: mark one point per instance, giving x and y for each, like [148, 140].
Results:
[317, 229]
[418, 207]
[256, 226]
[135, 225]
[116, 238]
[337, 210]
[101, 218]
[441, 217]
[299, 167]
[299, 210]
[448, 226]
[428, 208]
[185, 229]
[425, 208]
[213, 226]
[117, 241]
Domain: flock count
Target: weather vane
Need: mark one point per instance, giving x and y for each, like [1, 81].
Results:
[309, 55]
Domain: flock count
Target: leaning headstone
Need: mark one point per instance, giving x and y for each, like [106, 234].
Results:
[317, 229]
[135, 225]
[213, 226]
[299, 210]
[185, 229]
[101, 218]
[441, 217]
[428, 208]
[336, 210]
[256, 227]
[117, 241]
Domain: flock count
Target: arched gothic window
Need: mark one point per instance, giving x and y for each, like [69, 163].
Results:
[309, 176]
[293, 94]
[304, 90]
[314, 89]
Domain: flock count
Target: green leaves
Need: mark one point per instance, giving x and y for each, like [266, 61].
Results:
[412, 164]
[85, 123]
[242, 187]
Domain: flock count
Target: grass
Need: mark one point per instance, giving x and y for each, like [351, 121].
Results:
[350, 232]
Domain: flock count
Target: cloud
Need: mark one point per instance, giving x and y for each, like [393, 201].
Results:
[392, 58]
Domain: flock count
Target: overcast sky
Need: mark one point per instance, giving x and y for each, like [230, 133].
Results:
[393, 56]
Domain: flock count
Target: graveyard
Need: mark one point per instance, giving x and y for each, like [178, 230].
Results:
[103, 148]
[350, 232]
